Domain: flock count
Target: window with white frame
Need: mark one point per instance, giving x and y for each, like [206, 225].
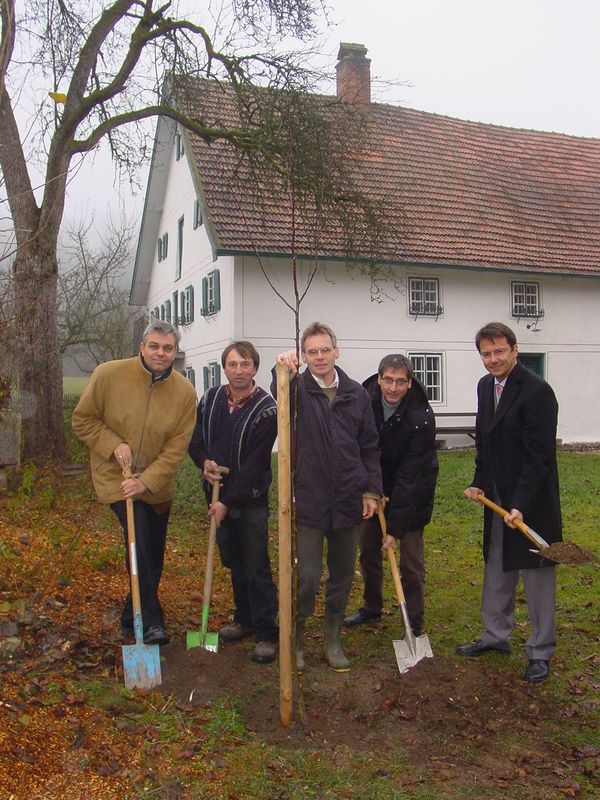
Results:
[187, 305]
[211, 374]
[428, 369]
[197, 214]
[211, 293]
[167, 316]
[526, 299]
[179, 151]
[155, 313]
[424, 297]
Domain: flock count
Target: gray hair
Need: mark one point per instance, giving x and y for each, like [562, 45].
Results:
[396, 361]
[161, 326]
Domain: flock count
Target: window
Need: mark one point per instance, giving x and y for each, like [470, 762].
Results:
[424, 297]
[526, 299]
[179, 151]
[187, 305]
[163, 247]
[155, 313]
[167, 316]
[197, 214]
[212, 375]
[162, 311]
[211, 293]
[175, 317]
[179, 248]
[534, 362]
[190, 374]
[428, 369]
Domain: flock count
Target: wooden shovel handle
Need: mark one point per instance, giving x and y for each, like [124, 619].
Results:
[131, 545]
[212, 538]
[391, 556]
[525, 530]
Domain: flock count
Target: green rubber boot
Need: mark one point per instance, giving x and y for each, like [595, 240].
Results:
[300, 646]
[333, 643]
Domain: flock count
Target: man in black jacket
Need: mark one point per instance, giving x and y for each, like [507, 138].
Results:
[337, 481]
[516, 466]
[236, 428]
[409, 467]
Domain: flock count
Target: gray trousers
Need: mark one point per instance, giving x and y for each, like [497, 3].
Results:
[341, 558]
[498, 601]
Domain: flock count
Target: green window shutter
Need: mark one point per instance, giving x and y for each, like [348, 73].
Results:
[204, 295]
[165, 245]
[205, 377]
[218, 375]
[217, 285]
[159, 250]
[190, 291]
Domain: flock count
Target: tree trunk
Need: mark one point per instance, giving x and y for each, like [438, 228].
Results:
[37, 354]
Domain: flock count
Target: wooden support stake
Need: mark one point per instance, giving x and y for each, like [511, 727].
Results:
[285, 545]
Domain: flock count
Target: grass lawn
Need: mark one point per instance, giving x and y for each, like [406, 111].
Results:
[450, 729]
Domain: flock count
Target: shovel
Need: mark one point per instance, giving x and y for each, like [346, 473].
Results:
[411, 649]
[141, 662]
[541, 544]
[201, 638]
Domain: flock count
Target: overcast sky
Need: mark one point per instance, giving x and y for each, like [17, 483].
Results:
[521, 63]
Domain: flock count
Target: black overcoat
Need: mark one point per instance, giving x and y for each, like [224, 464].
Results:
[409, 463]
[516, 456]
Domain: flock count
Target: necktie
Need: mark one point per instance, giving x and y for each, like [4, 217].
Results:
[499, 388]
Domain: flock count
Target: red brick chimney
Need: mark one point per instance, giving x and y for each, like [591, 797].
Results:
[354, 75]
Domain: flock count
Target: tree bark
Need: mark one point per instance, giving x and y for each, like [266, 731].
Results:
[39, 365]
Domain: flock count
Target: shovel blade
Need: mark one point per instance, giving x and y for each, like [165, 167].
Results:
[407, 656]
[141, 666]
[193, 639]
[211, 642]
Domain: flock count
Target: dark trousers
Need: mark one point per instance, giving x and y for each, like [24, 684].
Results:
[341, 558]
[243, 540]
[412, 570]
[150, 537]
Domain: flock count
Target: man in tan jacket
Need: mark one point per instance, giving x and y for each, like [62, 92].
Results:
[138, 413]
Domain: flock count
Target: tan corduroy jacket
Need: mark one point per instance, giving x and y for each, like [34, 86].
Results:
[122, 403]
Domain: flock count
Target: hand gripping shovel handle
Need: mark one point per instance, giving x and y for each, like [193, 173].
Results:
[534, 537]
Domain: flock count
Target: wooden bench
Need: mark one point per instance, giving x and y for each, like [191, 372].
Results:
[458, 429]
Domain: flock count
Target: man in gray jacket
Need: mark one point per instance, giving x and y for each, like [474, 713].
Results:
[337, 483]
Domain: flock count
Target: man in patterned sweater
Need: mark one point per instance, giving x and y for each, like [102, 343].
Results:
[236, 427]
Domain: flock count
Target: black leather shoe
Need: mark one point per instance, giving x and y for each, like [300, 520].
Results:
[362, 616]
[537, 670]
[156, 634]
[477, 648]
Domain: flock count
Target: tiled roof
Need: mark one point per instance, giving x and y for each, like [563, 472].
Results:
[456, 192]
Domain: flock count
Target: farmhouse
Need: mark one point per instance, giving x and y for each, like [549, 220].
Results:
[483, 223]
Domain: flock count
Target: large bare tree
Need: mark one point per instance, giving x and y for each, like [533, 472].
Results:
[104, 65]
[95, 320]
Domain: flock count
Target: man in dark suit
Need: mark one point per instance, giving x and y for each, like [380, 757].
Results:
[516, 466]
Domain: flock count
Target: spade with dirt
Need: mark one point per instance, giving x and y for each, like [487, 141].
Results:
[559, 552]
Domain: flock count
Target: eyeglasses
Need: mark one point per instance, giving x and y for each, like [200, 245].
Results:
[499, 353]
[391, 381]
[323, 351]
